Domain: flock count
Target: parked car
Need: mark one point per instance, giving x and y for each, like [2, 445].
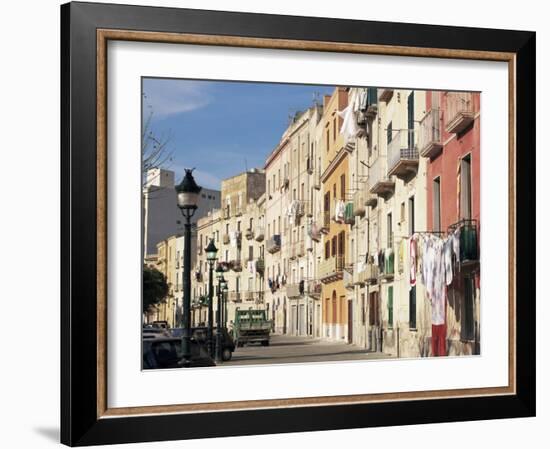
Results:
[160, 324]
[200, 334]
[154, 332]
[166, 352]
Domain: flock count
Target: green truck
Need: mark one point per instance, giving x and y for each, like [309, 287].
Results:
[251, 326]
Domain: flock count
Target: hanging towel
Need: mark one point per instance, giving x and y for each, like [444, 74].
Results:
[349, 127]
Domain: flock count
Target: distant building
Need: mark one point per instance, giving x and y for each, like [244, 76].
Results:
[237, 231]
[161, 215]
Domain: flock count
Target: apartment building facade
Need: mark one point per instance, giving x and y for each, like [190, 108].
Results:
[337, 314]
[450, 143]
[293, 242]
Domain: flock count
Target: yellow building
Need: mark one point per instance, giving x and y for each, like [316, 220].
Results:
[335, 309]
[166, 264]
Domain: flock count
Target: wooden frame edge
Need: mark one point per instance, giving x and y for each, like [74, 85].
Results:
[103, 36]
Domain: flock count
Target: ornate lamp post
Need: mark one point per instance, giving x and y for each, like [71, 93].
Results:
[211, 257]
[188, 199]
[222, 285]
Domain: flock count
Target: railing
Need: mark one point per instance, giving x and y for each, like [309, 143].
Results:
[273, 244]
[248, 295]
[378, 173]
[429, 136]
[326, 218]
[234, 296]
[260, 265]
[331, 267]
[225, 239]
[314, 288]
[259, 233]
[348, 279]
[401, 149]
[236, 265]
[249, 234]
[468, 240]
[294, 290]
[359, 201]
[459, 111]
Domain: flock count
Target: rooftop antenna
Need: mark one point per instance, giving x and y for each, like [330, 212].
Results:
[245, 165]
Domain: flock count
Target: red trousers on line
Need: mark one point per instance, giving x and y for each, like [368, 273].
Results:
[439, 336]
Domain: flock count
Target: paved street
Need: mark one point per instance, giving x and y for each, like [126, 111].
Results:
[288, 349]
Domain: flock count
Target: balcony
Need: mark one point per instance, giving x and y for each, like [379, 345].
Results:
[371, 199]
[359, 201]
[429, 137]
[249, 234]
[248, 296]
[236, 265]
[402, 154]
[326, 221]
[379, 182]
[314, 289]
[273, 244]
[469, 254]
[372, 102]
[259, 233]
[460, 111]
[234, 296]
[348, 278]
[317, 180]
[385, 94]
[308, 209]
[309, 166]
[260, 266]
[225, 239]
[331, 270]
[350, 146]
[295, 290]
[371, 273]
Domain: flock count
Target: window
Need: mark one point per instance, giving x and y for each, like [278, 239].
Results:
[237, 284]
[250, 252]
[342, 243]
[411, 215]
[390, 306]
[268, 187]
[402, 215]
[334, 246]
[390, 231]
[412, 307]
[467, 321]
[302, 192]
[251, 224]
[239, 225]
[217, 236]
[334, 129]
[465, 188]
[436, 219]
[343, 187]
[327, 250]
[328, 139]
[389, 133]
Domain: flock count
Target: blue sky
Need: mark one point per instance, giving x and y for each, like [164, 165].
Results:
[222, 127]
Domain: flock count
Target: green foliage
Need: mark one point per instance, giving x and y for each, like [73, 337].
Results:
[155, 288]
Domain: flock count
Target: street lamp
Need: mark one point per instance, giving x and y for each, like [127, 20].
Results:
[222, 284]
[211, 257]
[188, 199]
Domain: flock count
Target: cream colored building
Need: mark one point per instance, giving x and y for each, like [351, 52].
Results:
[237, 230]
[292, 245]
[389, 199]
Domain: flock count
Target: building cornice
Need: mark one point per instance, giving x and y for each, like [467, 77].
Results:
[340, 156]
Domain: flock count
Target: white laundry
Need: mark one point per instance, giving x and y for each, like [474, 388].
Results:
[349, 127]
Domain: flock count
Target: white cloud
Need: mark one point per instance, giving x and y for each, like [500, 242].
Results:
[165, 97]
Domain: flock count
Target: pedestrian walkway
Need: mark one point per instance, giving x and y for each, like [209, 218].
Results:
[292, 349]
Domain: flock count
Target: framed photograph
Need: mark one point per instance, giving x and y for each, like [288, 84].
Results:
[282, 224]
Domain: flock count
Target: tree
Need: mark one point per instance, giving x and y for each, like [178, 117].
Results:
[155, 288]
[154, 148]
